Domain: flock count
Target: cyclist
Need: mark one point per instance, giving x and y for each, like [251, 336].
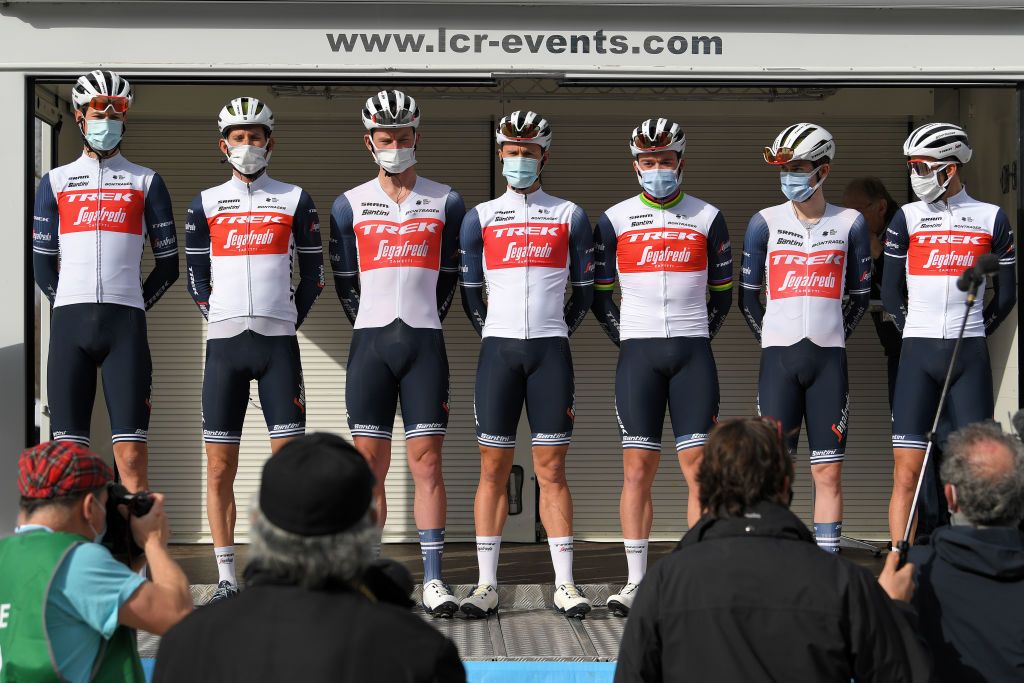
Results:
[90, 224]
[240, 241]
[929, 243]
[667, 249]
[395, 256]
[523, 245]
[806, 253]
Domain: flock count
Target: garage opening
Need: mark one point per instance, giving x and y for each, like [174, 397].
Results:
[172, 129]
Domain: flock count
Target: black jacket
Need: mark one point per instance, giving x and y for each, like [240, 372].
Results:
[970, 598]
[287, 633]
[754, 599]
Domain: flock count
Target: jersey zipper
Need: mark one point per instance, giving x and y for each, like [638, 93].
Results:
[664, 275]
[400, 269]
[248, 246]
[526, 270]
[949, 250]
[98, 231]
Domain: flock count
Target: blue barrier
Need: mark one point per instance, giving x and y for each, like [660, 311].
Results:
[520, 672]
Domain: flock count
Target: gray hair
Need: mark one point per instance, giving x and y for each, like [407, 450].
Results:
[310, 561]
[987, 493]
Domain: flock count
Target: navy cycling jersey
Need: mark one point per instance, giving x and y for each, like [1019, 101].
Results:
[90, 223]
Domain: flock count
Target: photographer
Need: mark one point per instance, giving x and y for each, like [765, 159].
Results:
[68, 609]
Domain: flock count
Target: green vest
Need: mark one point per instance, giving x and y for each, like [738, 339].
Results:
[28, 563]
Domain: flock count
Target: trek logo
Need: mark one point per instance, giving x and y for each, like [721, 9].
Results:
[945, 253]
[794, 273]
[89, 210]
[250, 234]
[540, 245]
[662, 250]
[412, 243]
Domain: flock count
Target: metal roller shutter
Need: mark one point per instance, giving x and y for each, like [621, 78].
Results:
[325, 158]
[590, 165]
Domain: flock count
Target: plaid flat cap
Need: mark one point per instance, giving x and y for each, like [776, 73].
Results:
[55, 469]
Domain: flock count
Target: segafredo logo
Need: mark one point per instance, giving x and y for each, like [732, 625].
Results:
[794, 273]
[413, 243]
[660, 250]
[946, 253]
[109, 211]
[542, 245]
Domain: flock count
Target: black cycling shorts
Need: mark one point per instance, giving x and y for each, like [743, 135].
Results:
[679, 371]
[112, 337]
[535, 371]
[392, 363]
[923, 366]
[231, 364]
[807, 381]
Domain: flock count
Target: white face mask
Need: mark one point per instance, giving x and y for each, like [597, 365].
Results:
[248, 159]
[396, 160]
[928, 188]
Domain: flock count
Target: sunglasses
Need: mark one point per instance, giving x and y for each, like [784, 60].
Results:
[102, 103]
[925, 168]
[659, 141]
[777, 157]
[527, 132]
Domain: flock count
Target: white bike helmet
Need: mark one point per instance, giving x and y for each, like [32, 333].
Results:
[391, 109]
[524, 126]
[657, 135]
[245, 111]
[96, 83]
[801, 142]
[941, 141]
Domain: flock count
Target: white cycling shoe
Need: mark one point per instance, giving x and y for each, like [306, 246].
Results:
[438, 600]
[571, 602]
[482, 602]
[620, 603]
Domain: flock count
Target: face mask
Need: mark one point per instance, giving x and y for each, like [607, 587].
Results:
[394, 161]
[797, 186]
[97, 535]
[928, 188]
[103, 135]
[248, 159]
[521, 172]
[659, 183]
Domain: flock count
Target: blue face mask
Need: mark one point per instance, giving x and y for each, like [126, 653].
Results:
[797, 186]
[103, 135]
[660, 183]
[521, 172]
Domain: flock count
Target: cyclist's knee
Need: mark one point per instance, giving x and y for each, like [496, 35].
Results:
[828, 477]
[637, 472]
[905, 472]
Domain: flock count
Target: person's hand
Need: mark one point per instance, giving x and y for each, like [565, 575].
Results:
[152, 527]
[898, 583]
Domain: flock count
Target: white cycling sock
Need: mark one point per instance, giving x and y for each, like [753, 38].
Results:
[487, 549]
[561, 558]
[636, 558]
[226, 564]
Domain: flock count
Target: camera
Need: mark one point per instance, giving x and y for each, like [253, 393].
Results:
[118, 538]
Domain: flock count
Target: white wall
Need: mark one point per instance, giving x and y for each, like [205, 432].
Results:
[13, 408]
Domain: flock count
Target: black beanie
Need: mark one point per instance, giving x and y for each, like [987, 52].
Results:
[316, 485]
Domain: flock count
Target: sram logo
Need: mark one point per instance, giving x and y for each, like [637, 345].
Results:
[542, 245]
[945, 253]
[250, 234]
[109, 211]
[662, 250]
[794, 273]
[414, 243]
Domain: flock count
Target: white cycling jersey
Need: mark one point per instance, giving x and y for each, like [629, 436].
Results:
[95, 214]
[524, 246]
[937, 242]
[806, 271]
[243, 237]
[396, 250]
[665, 257]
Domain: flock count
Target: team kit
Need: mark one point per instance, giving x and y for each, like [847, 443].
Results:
[401, 246]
